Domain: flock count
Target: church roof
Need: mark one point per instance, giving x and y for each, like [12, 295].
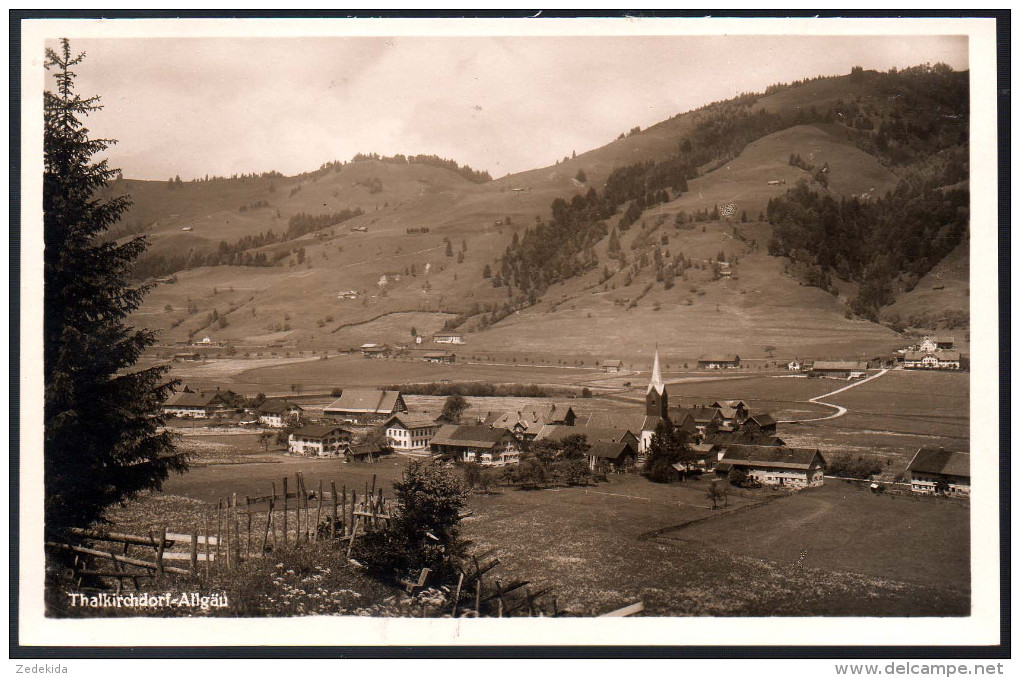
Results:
[656, 382]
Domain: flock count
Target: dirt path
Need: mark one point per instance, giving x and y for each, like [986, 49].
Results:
[839, 409]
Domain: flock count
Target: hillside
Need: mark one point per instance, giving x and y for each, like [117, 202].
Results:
[414, 241]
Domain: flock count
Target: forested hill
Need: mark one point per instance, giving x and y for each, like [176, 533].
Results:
[832, 196]
[914, 120]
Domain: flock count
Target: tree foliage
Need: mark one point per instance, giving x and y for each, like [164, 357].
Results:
[453, 408]
[104, 436]
[669, 445]
[424, 530]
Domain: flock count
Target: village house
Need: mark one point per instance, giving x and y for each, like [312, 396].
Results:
[410, 434]
[760, 424]
[604, 454]
[793, 365]
[707, 454]
[936, 360]
[319, 440]
[930, 344]
[201, 405]
[719, 362]
[940, 471]
[559, 433]
[365, 405]
[611, 366]
[526, 424]
[780, 466]
[480, 444]
[439, 357]
[448, 339]
[839, 369]
[278, 413]
[365, 451]
[374, 350]
[733, 412]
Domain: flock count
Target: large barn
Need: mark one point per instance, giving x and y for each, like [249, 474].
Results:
[365, 405]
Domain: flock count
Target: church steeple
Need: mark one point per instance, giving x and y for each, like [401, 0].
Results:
[656, 383]
[656, 400]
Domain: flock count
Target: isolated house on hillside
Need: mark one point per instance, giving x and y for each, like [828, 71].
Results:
[410, 434]
[940, 471]
[781, 466]
[611, 366]
[201, 405]
[448, 339]
[839, 369]
[365, 405]
[319, 440]
[480, 444]
[439, 357]
[374, 350]
[719, 362]
[278, 413]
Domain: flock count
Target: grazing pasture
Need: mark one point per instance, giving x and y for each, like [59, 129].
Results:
[842, 526]
[599, 548]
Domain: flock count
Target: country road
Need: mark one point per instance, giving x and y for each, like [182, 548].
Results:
[840, 410]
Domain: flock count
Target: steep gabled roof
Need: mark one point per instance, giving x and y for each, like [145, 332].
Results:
[942, 461]
[763, 419]
[364, 401]
[776, 457]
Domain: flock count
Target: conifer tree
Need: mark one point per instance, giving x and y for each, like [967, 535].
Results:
[104, 436]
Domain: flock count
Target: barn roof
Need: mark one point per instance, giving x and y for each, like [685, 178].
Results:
[763, 419]
[839, 365]
[774, 457]
[438, 354]
[409, 422]
[364, 401]
[469, 436]
[605, 449]
[277, 407]
[612, 363]
[558, 433]
[317, 430]
[941, 461]
[192, 399]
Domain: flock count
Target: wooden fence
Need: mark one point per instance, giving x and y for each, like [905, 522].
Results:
[230, 532]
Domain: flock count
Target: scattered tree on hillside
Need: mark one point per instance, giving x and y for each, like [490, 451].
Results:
[104, 440]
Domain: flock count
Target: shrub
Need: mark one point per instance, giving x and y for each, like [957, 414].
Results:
[424, 529]
[860, 466]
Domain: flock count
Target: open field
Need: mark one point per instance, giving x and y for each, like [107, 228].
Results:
[842, 526]
[590, 546]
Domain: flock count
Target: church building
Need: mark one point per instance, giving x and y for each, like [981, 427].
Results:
[656, 407]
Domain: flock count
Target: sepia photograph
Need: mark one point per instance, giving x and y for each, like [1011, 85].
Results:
[421, 324]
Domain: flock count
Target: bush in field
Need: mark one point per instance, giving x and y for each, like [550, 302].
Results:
[472, 474]
[859, 466]
[424, 530]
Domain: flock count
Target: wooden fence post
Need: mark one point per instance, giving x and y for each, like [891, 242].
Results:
[219, 533]
[318, 511]
[285, 512]
[194, 551]
[207, 539]
[237, 534]
[247, 510]
[332, 527]
[159, 551]
[226, 531]
[269, 521]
